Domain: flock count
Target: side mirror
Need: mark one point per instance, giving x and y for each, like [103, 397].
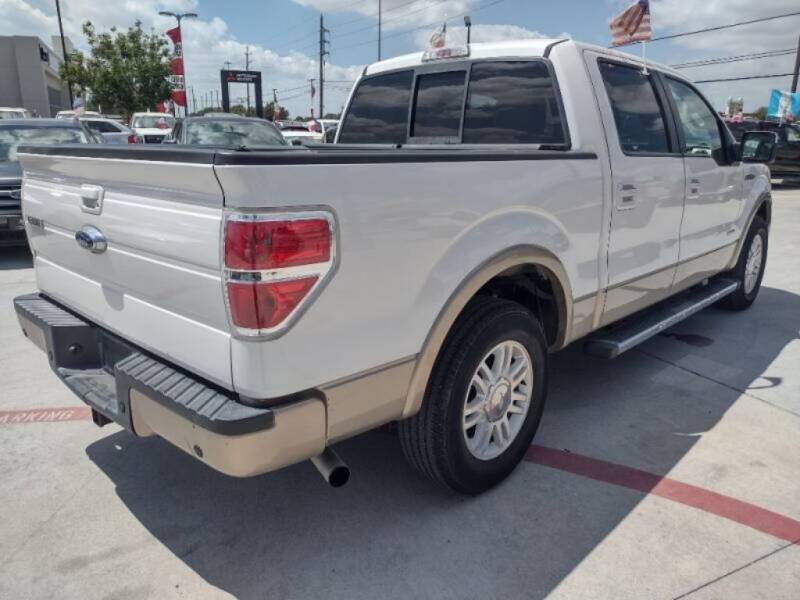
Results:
[759, 147]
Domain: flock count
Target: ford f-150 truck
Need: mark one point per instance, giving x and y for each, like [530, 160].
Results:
[483, 207]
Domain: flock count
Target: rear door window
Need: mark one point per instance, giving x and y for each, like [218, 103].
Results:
[438, 105]
[638, 114]
[378, 113]
[512, 102]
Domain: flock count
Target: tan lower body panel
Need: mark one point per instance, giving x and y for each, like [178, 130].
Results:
[367, 401]
[697, 269]
[297, 434]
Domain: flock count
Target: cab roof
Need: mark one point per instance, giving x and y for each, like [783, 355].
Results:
[524, 48]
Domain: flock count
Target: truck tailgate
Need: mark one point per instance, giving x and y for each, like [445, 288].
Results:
[158, 282]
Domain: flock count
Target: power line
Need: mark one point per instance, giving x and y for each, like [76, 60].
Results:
[730, 59]
[718, 28]
[387, 10]
[426, 25]
[368, 27]
[744, 78]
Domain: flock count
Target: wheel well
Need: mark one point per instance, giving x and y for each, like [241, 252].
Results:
[765, 211]
[537, 289]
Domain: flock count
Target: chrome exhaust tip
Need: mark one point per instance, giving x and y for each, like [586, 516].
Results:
[332, 468]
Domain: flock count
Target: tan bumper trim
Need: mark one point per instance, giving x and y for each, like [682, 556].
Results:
[298, 433]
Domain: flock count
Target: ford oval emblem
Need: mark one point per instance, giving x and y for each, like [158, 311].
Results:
[91, 239]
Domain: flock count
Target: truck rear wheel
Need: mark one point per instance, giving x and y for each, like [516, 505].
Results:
[749, 269]
[484, 399]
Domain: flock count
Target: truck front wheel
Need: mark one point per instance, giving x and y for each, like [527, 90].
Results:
[749, 269]
[484, 399]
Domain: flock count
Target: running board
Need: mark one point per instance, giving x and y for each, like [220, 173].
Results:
[620, 337]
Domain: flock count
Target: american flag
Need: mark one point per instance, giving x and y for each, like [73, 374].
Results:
[632, 25]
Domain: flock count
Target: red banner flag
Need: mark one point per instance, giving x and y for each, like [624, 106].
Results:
[178, 97]
[174, 35]
[177, 65]
[178, 93]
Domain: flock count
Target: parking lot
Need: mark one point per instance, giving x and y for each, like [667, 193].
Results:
[671, 472]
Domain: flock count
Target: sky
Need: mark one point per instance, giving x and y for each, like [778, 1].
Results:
[283, 36]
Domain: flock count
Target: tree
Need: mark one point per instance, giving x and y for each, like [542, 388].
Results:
[269, 111]
[760, 113]
[125, 71]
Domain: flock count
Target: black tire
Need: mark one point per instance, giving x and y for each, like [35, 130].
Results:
[742, 299]
[433, 440]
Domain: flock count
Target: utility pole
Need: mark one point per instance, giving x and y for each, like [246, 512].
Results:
[275, 108]
[796, 67]
[380, 13]
[247, 68]
[323, 41]
[218, 104]
[63, 49]
[311, 81]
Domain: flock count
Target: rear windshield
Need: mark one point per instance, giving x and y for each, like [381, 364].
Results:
[499, 102]
[378, 113]
[153, 122]
[233, 133]
[11, 138]
[12, 114]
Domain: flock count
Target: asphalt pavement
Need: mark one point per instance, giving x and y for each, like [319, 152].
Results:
[670, 472]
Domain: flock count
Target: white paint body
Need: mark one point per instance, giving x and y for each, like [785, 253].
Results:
[409, 235]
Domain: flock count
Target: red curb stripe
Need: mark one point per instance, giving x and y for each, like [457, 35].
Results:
[723, 506]
[45, 415]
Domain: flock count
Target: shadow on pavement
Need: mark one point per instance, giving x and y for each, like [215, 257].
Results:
[15, 257]
[388, 533]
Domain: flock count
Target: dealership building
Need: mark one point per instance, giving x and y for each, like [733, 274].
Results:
[29, 76]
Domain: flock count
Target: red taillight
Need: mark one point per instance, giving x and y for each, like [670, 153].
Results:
[272, 264]
[131, 139]
[255, 245]
[265, 305]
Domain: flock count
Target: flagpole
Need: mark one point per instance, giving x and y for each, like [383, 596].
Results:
[644, 58]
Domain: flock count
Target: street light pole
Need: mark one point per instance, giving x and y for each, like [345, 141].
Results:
[796, 67]
[63, 49]
[179, 17]
[380, 19]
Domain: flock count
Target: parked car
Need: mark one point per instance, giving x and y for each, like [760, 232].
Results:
[323, 125]
[109, 131]
[227, 130]
[787, 159]
[72, 114]
[14, 113]
[152, 127]
[297, 133]
[329, 137]
[13, 133]
[483, 208]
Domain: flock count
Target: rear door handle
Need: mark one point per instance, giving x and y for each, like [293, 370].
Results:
[626, 201]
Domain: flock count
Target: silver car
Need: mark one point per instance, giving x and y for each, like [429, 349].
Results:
[109, 131]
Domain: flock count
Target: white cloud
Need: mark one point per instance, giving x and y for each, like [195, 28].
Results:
[207, 45]
[397, 14]
[484, 33]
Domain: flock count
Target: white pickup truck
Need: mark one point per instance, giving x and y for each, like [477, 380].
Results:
[483, 206]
